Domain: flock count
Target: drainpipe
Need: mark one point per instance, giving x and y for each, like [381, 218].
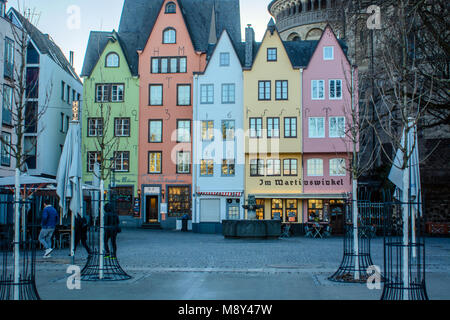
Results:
[195, 217]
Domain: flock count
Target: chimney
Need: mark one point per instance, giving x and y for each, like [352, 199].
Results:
[249, 45]
[71, 58]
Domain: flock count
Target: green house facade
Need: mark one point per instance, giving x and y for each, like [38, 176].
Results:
[110, 120]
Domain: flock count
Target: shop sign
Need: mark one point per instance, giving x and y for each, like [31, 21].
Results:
[300, 182]
[152, 190]
[163, 208]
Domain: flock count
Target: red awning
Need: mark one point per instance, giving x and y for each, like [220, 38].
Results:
[221, 194]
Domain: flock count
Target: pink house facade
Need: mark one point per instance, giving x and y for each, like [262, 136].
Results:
[328, 83]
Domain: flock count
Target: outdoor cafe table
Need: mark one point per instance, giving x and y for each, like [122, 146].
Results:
[318, 228]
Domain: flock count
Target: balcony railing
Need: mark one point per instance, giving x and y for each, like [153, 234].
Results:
[310, 17]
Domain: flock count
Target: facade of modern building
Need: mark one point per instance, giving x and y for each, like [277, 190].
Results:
[272, 118]
[52, 85]
[172, 39]
[10, 61]
[329, 81]
[110, 119]
[219, 162]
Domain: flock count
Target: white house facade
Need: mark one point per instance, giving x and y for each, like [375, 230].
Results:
[219, 161]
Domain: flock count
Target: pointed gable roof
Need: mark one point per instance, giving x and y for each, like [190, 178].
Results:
[139, 17]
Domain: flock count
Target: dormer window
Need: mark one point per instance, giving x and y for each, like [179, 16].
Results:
[171, 8]
[328, 53]
[112, 60]
[169, 35]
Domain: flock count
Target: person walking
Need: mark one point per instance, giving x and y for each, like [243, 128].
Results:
[112, 228]
[48, 223]
[81, 229]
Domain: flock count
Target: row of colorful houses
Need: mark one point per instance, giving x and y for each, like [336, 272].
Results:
[195, 120]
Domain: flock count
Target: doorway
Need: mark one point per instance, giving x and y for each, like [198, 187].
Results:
[337, 218]
[151, 203]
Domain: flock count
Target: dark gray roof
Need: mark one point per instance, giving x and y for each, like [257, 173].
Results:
[139, 16]
[46, 45]
[96, 44]
[300, 52]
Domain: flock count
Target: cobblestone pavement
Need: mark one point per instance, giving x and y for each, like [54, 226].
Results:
[180, 265]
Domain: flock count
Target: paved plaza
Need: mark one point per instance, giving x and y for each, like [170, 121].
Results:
[171, 265]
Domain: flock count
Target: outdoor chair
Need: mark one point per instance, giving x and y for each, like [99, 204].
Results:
[286, 231]
[308, 231]
[327, 231]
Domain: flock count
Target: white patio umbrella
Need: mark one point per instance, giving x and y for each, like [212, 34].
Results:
[408, 182]
[69, 177]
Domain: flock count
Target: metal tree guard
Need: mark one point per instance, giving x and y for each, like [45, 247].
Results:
[394, 251]
[99, 267]
[348, 267]
[28, 243]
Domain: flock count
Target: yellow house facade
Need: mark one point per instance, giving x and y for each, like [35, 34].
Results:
[272, 121]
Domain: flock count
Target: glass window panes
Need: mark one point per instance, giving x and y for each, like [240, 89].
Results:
[277, 209]
[155, 65]
[117, 92]
[315, 167]
[102, 93]
[257, 167]
[183, 65]
[290, 167]
[315, 211]
[206, 93]
[207, 167]
[95, 127]
[164, 65]
[264, 90]
[184, 95]
[122, 127]
[260, 211]
[169, 36]
[154, 162]
[183, 162]
[228, 93]
[93, 157]
[112, 60]
[337, 167]
[335, 89]
[255, 127]
[122, 161]
[290, 127]
[155, 131]
[156, 94]
[273, 127]
[7, 104]
[233, 212]
[337, 127]
[317, 127]
[272, 54]
[281, 90]
[317, 87]
[6, 149]
[171, 8]
[228, 127]
[207, 130]
[273, 167]
[228, 167]
[328, 53]
[291, 210]
[183, 131]
[224, 59]
[173, 65]
[179, 201]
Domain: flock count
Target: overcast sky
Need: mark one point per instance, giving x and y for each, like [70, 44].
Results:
[59, 19]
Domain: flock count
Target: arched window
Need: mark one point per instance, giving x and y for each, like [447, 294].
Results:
[169, 35]
[171, 7]
[112, 60]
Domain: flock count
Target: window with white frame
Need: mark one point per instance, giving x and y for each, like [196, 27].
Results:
[169, 36]
[224, 59]
[315, 167]
[207, 94]
[273, 127]
[93, 157]
[121, 161]
[95, 127]
[154, 162]
[102, 93]
[206, 167]
[112, 60]
[155, 131]
[184, 95]
[183, 162]
[228, 167]
[290, 167]
[207, 130]
[122, 127]
[255, 127]
[328, 53]
[107, 93]
[257, 168]
[317, 89]
[117, 92]
[335, 89]
[316, 127]
[337, 127]
[228, 93]
[183, 130]
[337, 167]
[273, 167]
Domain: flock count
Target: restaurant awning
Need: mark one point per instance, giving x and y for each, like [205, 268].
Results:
[221, 194]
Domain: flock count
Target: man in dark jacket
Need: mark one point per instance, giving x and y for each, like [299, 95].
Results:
[111, 229]
[81, 229]
[49, 221]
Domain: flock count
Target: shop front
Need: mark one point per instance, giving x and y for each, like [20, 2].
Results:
[213, 207]
[326, 211]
